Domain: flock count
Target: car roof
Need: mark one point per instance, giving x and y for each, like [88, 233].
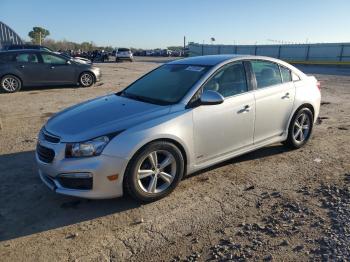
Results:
[208, 60]
[23, 51]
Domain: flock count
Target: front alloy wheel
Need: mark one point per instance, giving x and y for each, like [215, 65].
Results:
[86, 79]
[154, 171]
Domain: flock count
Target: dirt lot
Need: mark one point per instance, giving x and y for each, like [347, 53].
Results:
[273, 204]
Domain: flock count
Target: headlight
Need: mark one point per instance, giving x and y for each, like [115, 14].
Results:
[93, 147]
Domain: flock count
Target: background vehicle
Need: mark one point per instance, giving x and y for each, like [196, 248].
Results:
[184, 116]
[124, 54]
[37, 68]
[44, 48]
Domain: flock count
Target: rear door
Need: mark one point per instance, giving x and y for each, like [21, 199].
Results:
[274, 98]
[58, 71]
[31, 71]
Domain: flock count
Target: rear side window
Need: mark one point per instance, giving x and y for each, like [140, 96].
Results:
[26, 58]
[6, 58]
[286, 74]
[266, 73]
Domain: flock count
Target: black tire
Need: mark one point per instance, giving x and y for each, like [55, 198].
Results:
[131, 179]
[292, 141]
[10, 84]
[86, 79]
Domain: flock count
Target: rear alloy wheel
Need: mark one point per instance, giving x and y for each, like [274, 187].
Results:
[300, 128]
[86, 79]
[10, 84]
[154, 172]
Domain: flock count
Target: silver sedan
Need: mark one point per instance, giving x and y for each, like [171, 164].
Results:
[183, 116]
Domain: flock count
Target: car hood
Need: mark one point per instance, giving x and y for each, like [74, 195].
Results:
[101, 116]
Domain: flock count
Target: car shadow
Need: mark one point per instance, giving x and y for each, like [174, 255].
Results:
[27, 206]
[261, 153]
[36, 89]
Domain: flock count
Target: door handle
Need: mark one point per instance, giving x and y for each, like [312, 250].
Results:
[52, 67]
[21, 66]
[246, 108]
[286, 95]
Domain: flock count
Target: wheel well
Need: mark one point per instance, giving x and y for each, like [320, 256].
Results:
[177, 144]
[309, 106]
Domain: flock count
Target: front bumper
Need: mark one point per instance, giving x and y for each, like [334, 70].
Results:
[100, 168]
[98, 76]
[124, 58]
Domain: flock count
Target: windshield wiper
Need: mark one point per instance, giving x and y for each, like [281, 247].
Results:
[143, 99]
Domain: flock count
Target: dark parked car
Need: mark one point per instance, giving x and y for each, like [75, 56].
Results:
[38, 68]
[27, 46]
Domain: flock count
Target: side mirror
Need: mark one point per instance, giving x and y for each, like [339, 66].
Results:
[210, 97]
[68, 62]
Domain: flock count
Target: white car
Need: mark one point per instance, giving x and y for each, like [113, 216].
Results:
[124, 54]
[183, 116]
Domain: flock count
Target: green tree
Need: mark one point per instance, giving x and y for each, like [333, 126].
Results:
[38, 34]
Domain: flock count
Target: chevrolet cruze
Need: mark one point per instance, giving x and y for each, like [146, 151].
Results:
[181, 117]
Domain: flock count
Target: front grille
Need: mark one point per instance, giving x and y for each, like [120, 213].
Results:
[45, 154]
[50, 137]
[75, 183]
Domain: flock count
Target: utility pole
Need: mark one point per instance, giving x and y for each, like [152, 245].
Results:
[39, 38]
[184, 45]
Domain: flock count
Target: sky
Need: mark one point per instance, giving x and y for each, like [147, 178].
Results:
[162, 23]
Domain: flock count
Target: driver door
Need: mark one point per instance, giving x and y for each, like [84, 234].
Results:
[227, 127]
[58, 71]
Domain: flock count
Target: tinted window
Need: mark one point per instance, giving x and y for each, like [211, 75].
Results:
[266, 73]
[26, 58]
[229, 81]
[52, 59]
[286, 74]
[5, 57]
[167, 84]
[123, 49]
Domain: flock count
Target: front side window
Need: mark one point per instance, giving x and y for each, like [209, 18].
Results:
[52, 59]
[286, 74]
[228, 81]
[168, 84]
[26, 58]
[266, 73]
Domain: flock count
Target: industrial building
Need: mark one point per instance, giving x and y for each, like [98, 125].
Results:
[322, 53]
[8, 36]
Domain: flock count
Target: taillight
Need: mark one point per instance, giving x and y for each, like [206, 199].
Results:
[318, 84]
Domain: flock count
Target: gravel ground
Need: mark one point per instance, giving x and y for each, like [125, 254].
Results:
[272, 204]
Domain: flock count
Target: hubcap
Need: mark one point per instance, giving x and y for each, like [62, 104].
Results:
[10, 84]
[86, 79]
[301, 128]
[156, 171]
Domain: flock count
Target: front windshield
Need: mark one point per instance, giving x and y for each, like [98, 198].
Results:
[168, 84]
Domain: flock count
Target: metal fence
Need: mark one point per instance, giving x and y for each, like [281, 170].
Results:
[330, 53]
